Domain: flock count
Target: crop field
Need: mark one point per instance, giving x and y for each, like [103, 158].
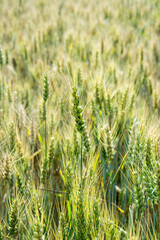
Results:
[80, 119]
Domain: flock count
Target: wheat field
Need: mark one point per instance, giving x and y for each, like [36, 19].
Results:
[80, 119]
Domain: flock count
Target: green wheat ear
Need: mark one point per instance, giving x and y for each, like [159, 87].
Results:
[1, 57]
[131, 103]
[51, 151]
[7, 168]
[96, 59]
[149, 153]
[80, 228]
[156, 104]
[19, 152]
[149, 184]
[13, 220]
[7, 57]
[124, 100]
[97, 96]
[141, 59]
[35, 45]
[45, 88]
[20, 186]
[78, 115]
[86, 139]
[12, 135]
[107, 144]
[138, 193]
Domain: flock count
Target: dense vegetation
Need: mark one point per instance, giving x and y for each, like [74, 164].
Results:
[79, 119]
